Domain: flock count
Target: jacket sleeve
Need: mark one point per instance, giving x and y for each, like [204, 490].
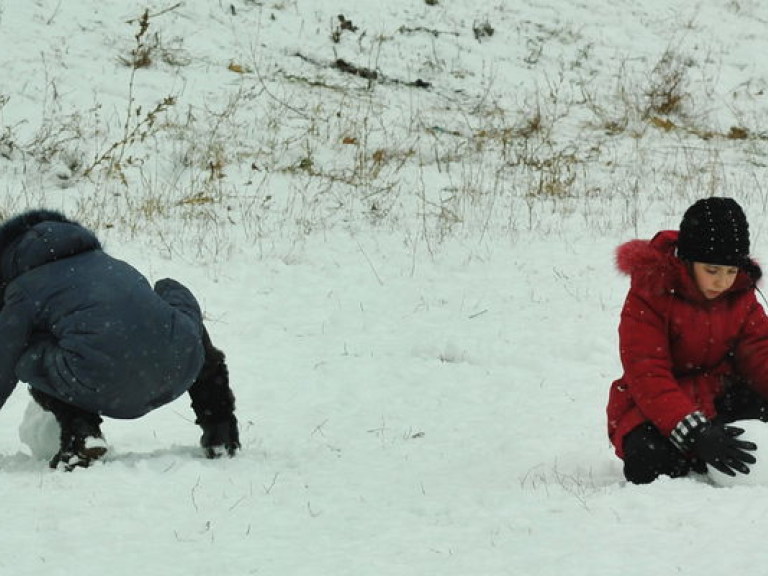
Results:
[15, 328]
[751, 350]
[646, 358]
[179, 297]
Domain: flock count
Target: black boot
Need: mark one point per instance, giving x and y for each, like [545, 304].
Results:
[214, 404]
[81, 444]
[81, 441]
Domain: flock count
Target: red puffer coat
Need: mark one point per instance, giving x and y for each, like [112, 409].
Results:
[678, 349]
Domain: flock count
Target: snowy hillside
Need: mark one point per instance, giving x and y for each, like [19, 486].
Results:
[400, 220]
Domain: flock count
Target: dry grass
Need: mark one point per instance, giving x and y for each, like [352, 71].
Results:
[333, 140]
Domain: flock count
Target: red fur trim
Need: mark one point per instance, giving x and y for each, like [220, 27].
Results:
[652, 263]
[648, 256]
[633, 255]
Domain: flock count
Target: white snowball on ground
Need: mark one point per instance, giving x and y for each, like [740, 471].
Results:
[757, 432]
[39, 431]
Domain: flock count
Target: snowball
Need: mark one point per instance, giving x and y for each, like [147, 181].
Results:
[757, 432]
[40, 431]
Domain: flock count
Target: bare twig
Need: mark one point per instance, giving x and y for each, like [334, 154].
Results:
[156, 14]
[192, 494]
[361, 72]
[268, 489]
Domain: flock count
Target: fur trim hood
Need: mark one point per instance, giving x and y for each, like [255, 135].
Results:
[654, 267]
[37, 237]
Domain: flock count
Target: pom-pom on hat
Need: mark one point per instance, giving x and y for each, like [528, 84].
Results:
[714, 231]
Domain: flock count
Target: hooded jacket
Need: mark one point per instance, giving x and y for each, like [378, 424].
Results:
[679, 350]
[87, 328]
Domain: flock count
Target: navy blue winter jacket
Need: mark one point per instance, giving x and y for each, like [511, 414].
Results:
[88, 328]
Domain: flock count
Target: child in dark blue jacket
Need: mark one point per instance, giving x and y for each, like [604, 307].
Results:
[92, 338]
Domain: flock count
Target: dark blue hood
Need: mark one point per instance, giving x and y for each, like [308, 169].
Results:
[38, 237]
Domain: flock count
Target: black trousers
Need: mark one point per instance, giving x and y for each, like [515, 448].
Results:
[648, 454]
[212, 398]
[72, 420]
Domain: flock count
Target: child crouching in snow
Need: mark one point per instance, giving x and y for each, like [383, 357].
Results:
[694, 348]
[92, 338]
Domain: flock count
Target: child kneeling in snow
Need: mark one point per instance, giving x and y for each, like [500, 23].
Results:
[92, 338]
[694, 348]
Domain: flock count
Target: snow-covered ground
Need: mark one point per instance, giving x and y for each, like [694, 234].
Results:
[412, 276]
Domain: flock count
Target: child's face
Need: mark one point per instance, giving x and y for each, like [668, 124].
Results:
[713, 279]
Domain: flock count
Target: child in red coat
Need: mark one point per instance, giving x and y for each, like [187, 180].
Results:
[694, 348]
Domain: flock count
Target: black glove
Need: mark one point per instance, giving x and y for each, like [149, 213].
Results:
[715, 444]
[719, 447]
[220, 438]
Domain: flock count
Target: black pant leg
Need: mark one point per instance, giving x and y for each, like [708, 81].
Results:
[648, 455]
[212, 397]
[71, 419]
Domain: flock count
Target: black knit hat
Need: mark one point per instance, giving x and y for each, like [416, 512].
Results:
[714, 231]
